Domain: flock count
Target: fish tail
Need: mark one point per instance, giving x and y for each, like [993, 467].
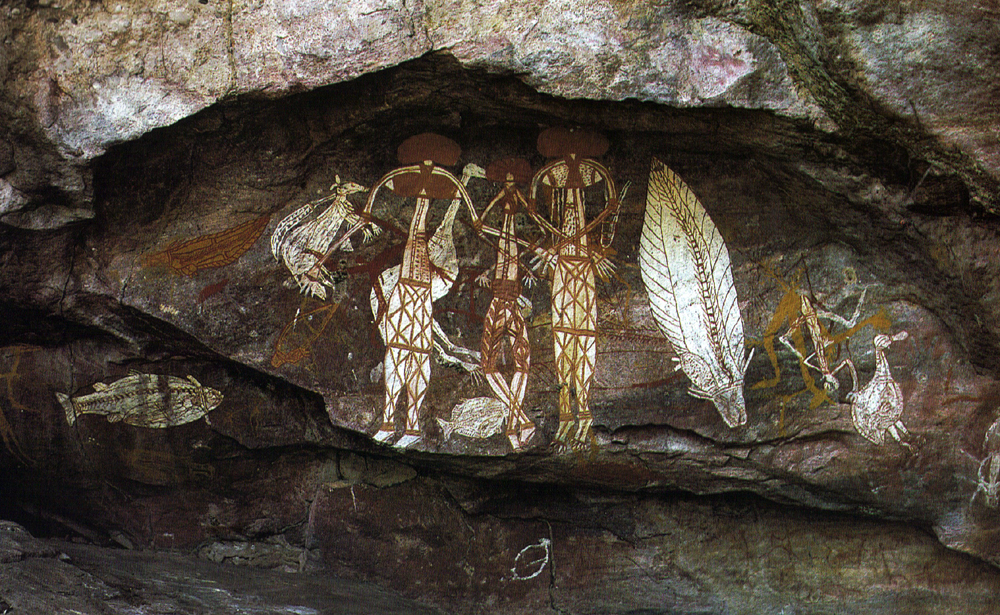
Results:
[67, 404]
[447, 427]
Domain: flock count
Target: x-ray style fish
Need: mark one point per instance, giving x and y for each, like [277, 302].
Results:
[479, 417]
[145, 400]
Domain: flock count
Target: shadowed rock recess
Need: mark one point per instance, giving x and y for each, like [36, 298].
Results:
[680, 307]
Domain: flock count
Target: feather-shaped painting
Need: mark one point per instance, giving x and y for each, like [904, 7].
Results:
[686, 269]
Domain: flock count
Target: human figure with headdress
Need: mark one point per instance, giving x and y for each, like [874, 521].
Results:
[504, 322]
[574, 261]
[405, 317]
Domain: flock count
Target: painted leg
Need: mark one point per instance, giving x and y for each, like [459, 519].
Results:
[518, 387]
[564, 370]
[468, 359]
[586, 347]
[393, 387]
[501, 390]
[521, 351]
[878, 437]
[419, 376]
[894, 431]
[520, 429]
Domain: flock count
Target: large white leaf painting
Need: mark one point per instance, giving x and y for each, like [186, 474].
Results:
[685, 267]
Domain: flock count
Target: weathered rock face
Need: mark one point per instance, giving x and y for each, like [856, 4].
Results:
[51, 577]
[775, 276]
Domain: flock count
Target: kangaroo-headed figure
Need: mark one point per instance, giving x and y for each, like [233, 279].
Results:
[574, 262]
[407, 323]
[876, 407]
[504, 322]
[304, 247]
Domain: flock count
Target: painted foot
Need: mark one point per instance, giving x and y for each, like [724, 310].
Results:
[386, 433]
[520, 436]
[584, 439]
[584, 434]
[409, 438]
[563, 435]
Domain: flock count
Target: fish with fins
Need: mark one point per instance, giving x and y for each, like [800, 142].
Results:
[145, 400]
[479, 417]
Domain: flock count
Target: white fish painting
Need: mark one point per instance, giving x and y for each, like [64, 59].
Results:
[686, 269]
[479, 417]
[145, 400]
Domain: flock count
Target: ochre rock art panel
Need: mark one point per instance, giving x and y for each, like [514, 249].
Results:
[487, 330]
[543, 362]
[504, 308]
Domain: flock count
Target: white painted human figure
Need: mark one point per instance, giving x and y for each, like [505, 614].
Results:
[444, 271]
[303, 246]
[574, 262]
[504, 324]
[407, 322]
[877, 407]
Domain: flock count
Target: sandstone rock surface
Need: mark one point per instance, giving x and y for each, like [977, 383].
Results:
[845, 151]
